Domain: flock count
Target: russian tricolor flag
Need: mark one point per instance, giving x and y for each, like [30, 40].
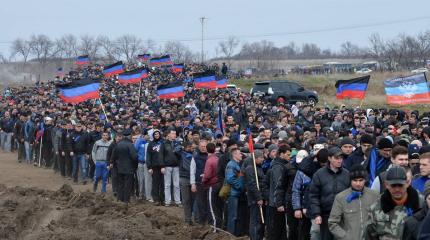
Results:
[160, 61]
[205, 80]
[82, 60]
[222, 83]
[134, 76]
[79, 91]
[177, 68]
[113, 69]
[407, 90]
[172, 90]
[143, 57]
[353, 88]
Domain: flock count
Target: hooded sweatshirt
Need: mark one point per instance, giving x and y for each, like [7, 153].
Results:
[154, 152]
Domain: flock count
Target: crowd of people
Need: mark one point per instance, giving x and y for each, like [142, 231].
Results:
[232, 160]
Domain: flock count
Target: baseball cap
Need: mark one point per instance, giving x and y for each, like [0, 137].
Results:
[334, 151]
[396, 175]
[414, 151]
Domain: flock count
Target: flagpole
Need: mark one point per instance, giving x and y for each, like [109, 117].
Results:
[103, 108]
[258, 184]
[140, 89]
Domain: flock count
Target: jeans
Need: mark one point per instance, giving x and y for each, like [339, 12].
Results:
[171, 173]
[202, 203]
[6, 141]
[187, 198]
[232, 207]
[28, 152]
[21, 150]
[144, 182]
[256, 227]
[101, 172]
[79, 161]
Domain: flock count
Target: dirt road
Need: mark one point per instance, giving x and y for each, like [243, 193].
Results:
[37, 204]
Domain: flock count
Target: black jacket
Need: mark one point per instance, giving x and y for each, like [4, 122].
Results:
[273, 179]
[170, 157]
[413, 224]
[284, 191]
[19, 130]
[222, 164]
[253, 193]
[66, 141]
[326, 184]
[356, 158]
[125, 157]
[81, 143]
[154, 157]
[109, 154]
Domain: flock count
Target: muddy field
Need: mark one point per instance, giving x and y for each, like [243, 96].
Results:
[71, 212]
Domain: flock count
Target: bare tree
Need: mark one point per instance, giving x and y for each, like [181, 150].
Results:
[129, 46]
[89, 46]
[21, 47]
[310, 50]
[348, 49]
[150, 45]
[228, 47]
[41, 47]
[108, 48]
[178, 51]
[68, 45]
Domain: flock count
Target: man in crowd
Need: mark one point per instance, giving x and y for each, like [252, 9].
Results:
[399, 157]
[399, 200]
[155, 163]
[99, 156]
[327, 182]
[197, 168]
[348, 217]
[235, 178]
[80, 152]
[125, 157]
[420, 180]
[171, 152]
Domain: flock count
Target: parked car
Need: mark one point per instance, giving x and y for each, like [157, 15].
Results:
[420, 70]
[364, 71]
[232, 88]
[284, 91]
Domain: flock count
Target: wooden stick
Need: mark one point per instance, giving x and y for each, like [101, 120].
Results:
[103, 108]
[140, 89]
[258, 185]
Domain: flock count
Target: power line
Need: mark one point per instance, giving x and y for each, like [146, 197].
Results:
[332, 29]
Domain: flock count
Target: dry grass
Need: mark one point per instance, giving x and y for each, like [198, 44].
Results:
[324, 85]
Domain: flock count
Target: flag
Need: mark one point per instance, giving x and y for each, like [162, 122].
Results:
[222, 83]
[407, 90]
[82, 60]
[219, 121]
[204, 80]
[172, 90]
[352, 88]
[143, 57]
[113, 69]
[134, 76]
[177, 68]
[80, 90]
[160, 61]
[250, 143]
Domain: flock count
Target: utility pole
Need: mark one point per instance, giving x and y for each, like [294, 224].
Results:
[202, 21]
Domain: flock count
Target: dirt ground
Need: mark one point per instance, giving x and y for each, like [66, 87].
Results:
[37, 204]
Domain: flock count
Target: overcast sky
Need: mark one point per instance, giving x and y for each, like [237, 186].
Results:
[178, 20]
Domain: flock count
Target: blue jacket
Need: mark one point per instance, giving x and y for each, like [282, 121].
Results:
[419, 182]
[300, 198]
[234, 177]
[140, 146]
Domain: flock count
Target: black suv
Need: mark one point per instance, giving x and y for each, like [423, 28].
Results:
[284, 91]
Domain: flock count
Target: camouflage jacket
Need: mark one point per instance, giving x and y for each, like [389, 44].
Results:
[386, 220]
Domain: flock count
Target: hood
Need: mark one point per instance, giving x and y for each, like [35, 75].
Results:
[153, 133]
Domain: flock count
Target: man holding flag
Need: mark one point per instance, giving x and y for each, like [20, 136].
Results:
[256, 193]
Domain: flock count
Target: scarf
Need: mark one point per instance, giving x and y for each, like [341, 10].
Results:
[375, 164]
[353, 195]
